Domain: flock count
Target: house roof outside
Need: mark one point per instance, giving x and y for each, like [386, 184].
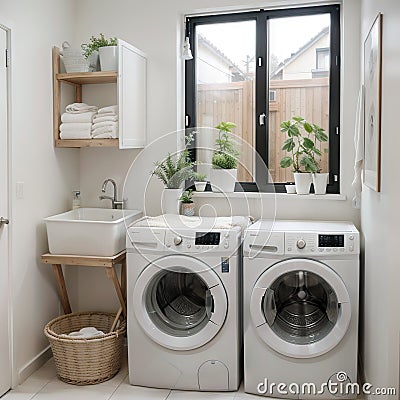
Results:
[234, 67]
[299, 52]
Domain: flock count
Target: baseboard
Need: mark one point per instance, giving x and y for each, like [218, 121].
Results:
[33, 365]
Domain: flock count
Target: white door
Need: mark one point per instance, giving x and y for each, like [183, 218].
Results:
[300, 308]
[180, 302]
[5, 363]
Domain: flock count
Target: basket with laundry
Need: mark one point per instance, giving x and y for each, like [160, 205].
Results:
[83, 121]
[87, 346]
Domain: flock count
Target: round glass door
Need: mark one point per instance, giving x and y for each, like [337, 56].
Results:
[300, 308]
[180, 302]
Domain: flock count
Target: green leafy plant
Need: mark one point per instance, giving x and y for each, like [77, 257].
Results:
[174, 169]
[186, 197]
[197, 177]
[225, 155]
[95, 43]
[302, 139]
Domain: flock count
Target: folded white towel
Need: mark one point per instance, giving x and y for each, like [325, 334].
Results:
[79, 108]
[86, 333]
[198, 223]
[111, 130]
[105, 117]
[105, 136]
[104, 123]
[74, 134]
[75, 126]
[82, 117]
[109, 109]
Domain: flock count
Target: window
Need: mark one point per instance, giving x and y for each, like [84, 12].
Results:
[258, 69]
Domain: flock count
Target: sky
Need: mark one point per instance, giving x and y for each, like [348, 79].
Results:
[287, 35]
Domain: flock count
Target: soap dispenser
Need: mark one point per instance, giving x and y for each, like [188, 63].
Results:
[76, 201]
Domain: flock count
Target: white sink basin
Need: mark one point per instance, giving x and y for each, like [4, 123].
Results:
[89, 231]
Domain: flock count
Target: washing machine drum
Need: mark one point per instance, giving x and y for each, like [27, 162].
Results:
[300, 308]
[180, 302]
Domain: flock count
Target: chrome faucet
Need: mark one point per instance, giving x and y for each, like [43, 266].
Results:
[115, 203]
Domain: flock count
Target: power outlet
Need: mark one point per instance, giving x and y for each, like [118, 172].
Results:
[19, 190]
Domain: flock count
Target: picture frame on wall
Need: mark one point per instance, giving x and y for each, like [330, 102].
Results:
[373, 105]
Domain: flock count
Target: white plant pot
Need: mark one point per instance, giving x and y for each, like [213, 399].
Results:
[320, 182]
[170, 201]
[200, 186]
[188, 209]
[303, 182]
[223, 180]
[108, 58]
[290, 189]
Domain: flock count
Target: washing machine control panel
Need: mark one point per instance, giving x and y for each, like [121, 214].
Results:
[307, 243]
[203, 241]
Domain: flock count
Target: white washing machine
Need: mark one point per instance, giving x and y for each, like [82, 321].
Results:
[301, 288]
[184, 308]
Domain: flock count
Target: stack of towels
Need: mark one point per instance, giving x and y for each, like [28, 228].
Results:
[77, 121]
[105, 123]
[81, 121]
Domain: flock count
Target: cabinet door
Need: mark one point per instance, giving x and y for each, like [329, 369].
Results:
[132, 99]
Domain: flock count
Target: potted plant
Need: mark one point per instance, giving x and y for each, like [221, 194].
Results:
[200, 181]
[187, 203]
[224, 160]
[305, 156]
[173, 171]
[104, 48]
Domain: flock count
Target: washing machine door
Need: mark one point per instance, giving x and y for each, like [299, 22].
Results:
[180, 302]
[300, 308]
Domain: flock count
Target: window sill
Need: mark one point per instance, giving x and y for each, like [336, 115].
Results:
[279, 196]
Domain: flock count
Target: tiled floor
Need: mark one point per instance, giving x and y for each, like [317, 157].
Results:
[44, 385]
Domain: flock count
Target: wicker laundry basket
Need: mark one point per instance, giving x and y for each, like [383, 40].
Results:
[86, 361]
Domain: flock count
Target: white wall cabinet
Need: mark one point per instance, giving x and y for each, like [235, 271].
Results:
[131, 81]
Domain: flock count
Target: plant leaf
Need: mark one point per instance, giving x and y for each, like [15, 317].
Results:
[298, 119]
[307, 127]
[308, 143]
[286, 162]
[309, 164]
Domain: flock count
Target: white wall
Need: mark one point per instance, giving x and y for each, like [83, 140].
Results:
[380, 216]
[157, 29]
[49, 174]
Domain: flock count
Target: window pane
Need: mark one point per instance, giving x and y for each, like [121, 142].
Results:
[299, 54]
[225, 77]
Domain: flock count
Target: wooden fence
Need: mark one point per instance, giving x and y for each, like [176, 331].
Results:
[234, 102]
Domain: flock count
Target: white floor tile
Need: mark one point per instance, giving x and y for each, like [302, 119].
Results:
[188, 395]
[126, 391]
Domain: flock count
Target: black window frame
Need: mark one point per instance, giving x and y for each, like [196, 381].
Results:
[261, 104]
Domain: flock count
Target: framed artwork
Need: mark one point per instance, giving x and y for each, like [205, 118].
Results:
[372, 105]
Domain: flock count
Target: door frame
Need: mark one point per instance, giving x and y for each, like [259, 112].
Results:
[7, 27]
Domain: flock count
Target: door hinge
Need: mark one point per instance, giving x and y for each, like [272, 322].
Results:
[335, 178]
[260, 61]
[8, 60]
[337, 130]
[186, 121]
[337, 60]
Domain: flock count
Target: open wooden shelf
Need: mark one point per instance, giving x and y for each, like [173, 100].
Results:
[76, 143]
[77, 80]
[84, 78]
